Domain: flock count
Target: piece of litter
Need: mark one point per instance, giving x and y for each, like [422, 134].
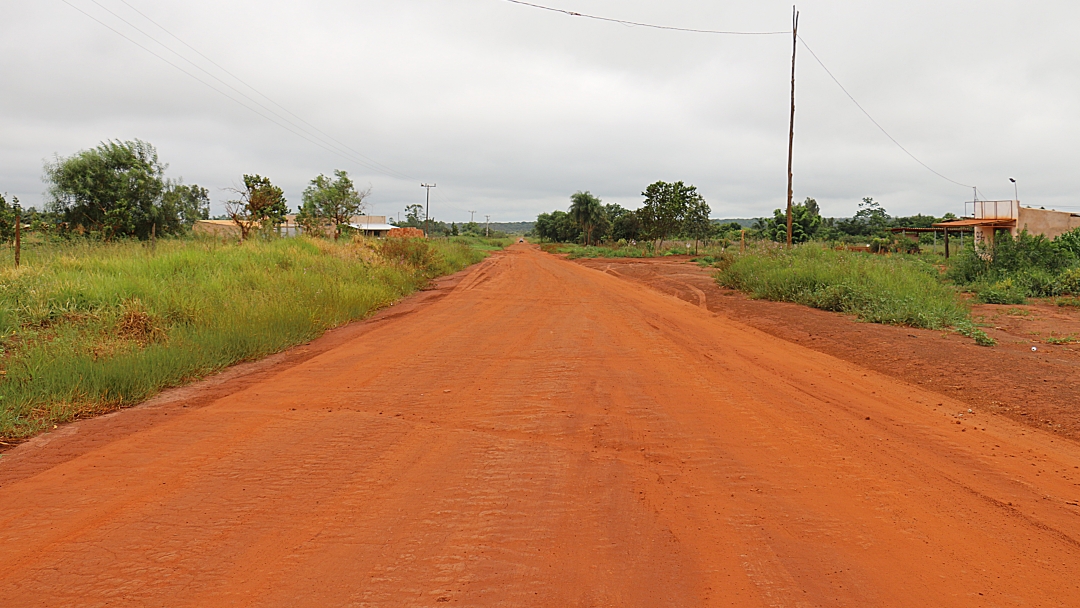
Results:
[1033, 349]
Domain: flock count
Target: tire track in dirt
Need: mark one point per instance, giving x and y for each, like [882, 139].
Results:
[544, 434]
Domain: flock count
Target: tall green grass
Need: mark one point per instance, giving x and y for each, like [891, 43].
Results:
[88, 327]
[893, 290]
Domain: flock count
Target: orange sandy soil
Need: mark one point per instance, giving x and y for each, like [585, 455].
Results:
[1040, 387]
[534, 432]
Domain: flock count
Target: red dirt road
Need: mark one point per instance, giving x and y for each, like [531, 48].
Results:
[540, 433]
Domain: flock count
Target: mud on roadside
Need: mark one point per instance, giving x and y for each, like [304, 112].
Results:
[1032, 375]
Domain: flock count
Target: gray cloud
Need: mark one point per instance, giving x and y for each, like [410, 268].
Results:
[511, 109]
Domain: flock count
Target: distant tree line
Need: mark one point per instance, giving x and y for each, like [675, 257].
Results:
[669, 210]
[414, 218]
[119, 190]
[871, 221]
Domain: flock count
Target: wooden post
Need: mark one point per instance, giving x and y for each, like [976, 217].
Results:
[946, 243]
[18, 236]
[742, 238]
[153, 235]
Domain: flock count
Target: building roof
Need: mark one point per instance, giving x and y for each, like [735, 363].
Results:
[997, 223]
[372, 226]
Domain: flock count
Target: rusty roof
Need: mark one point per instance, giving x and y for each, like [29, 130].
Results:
[997, 223]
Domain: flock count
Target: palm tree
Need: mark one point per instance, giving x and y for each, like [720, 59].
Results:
[587, 212]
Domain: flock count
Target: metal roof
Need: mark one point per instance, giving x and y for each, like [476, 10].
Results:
[372, 226]
[1000, 223]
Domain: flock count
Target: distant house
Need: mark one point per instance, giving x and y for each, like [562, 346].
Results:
[990, 217]
[216, 228]
[370, 225]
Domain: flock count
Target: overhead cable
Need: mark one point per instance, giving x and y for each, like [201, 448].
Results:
[700, 31]
[639, 24]
[876, 123]
[260, 93]
[290, 126]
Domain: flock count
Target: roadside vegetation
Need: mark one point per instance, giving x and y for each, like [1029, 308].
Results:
[833, 265]
[896, 291]
[89, 327]
[116, 299]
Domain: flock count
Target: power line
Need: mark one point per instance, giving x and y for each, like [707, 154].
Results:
[260, 93]
[800, 38]
[876, 123]
[639, 24]
[296, 130]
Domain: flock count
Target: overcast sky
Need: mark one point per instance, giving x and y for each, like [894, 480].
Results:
[511, 109]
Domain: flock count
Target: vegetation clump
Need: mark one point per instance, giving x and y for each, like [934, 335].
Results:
[892, 290]
[1014, 269]
[88, 326]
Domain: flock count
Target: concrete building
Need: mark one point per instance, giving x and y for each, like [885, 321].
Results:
[370, 225]
[989, 217]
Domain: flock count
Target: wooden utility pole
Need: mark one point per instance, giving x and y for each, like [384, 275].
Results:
[791, 124]
[427, 207]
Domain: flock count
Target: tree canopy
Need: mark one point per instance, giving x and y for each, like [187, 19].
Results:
[258, 204]
[587, 212]
[115, 189]
[666, 207]
[806, 221]
[332, 200]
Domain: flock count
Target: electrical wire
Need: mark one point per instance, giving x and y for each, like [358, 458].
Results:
[638, 24]
[295, 130]
[876, 123]
[258, 92]
[814, 55]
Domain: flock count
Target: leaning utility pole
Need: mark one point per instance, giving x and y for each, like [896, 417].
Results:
[427, 207]
[487, 231]
[791, 125]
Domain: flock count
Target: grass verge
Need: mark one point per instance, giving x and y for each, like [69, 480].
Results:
[882, 289]
[89, 327]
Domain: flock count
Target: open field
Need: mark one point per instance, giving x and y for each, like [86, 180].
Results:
[87, 327]
[537, 432]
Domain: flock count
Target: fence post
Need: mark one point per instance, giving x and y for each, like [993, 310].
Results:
[18, 236]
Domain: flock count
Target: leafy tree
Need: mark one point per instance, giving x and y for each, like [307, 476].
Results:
[696, 221]
[587, 212]
[873, 215]
[332, 200]
[806, 221]
[188, 203]
[665, 208]
[453, 229]
[115, 189]
[8, 214]
[619, 223]
[414, 216]
[258, 204]
[557, 227]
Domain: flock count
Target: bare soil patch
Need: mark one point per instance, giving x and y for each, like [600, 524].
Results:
[1038, 387]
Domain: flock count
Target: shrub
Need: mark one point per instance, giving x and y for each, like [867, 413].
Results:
[1068, 283]
[893, 290]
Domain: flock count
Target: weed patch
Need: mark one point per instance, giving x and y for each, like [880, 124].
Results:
[893, 290]
[87, 327]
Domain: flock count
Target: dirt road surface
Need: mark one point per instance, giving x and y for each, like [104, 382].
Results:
[540, 433]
